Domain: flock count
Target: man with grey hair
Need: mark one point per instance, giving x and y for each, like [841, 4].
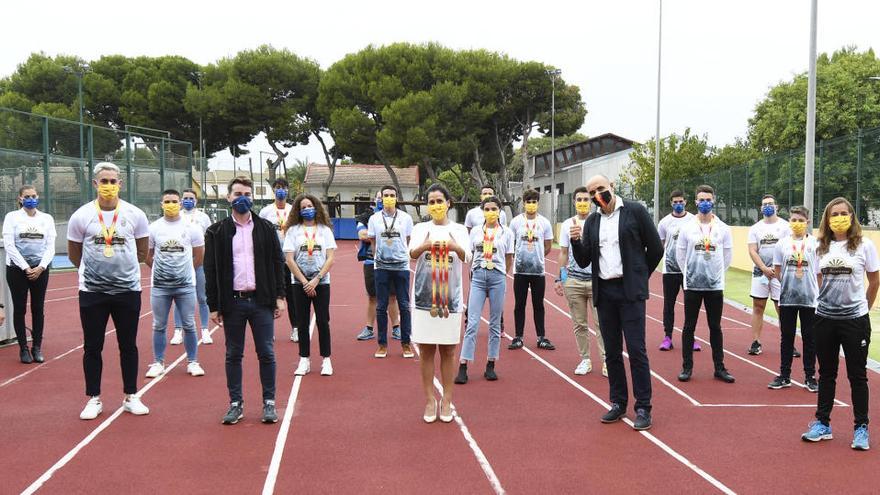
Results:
[107, 239]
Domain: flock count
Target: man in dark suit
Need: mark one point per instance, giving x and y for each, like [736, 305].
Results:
[623, 246]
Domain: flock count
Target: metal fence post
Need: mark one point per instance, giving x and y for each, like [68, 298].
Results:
[859, 173]
[730, 196]
[790, 166]
[748, 181]
[162, 164]
[91, 141]
[821, 181]
[46, 192]
[766, 174]
[129, 191]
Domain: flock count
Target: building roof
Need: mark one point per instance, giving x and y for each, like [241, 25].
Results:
[581, 151]
[361, 175]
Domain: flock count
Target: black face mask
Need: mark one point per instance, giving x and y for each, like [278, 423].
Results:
[603, 199]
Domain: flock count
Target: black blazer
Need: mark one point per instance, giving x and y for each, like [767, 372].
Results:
[640, 250]
[268, 263]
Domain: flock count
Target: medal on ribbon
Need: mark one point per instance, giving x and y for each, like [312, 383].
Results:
[707, 240]
[310, 241]
[489, 246]
[799, 258]
[434, 280]
[444, 278]
[107, 232]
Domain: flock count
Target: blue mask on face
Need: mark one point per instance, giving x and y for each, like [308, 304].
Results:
[280, 194]
[678, 208]
[188, 203]
[307, 213]
[705, 206]
[242, 204]
[30, 203]
[768, 210]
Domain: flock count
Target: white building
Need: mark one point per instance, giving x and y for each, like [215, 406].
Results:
[360, 182]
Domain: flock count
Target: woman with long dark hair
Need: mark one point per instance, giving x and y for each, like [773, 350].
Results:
[845, 259]
[29, 239]
[308, 247]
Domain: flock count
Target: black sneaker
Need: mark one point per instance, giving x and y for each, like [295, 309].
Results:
[614, 414]
[517, 343]
[779, 382]
[489, 374]
[756, 348]
[811, 385]
[795, 353]
[461, 378]
[269, 414]
[724, 375]
[643, 420]
[544, 343]
[234, 414]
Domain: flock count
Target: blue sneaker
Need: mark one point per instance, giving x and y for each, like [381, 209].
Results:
[366, 334]
[817, 432]
[860, 438]
[395, 333]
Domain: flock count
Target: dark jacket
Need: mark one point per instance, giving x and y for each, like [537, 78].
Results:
[268, 263]
[640, 250]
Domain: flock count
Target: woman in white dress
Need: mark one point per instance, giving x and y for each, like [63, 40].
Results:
[440, 248]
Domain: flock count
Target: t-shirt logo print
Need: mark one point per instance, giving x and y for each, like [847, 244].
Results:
[172, 246]
[837, 266]
[769, 240]
[31, 233]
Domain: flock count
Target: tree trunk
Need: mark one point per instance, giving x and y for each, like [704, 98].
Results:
[331, 166]
[272, 165]
[504, 175]
[390, 171]
[432, 173]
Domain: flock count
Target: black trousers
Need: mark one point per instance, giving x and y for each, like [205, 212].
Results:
[94, 311]
[713, 300]
[261, 319]
[621, 319]
[788, 316]
[854, 336]
[288, 296]
[19, 286]
[672, 283]
[521, 285]
[321, 303]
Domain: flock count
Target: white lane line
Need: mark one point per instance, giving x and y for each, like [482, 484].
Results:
[56, 358]
[39, 482]
[811, 406]
[284, 430]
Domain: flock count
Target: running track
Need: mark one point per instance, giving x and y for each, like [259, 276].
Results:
[536, 430]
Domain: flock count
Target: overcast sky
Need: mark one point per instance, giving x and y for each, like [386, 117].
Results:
[719, 57]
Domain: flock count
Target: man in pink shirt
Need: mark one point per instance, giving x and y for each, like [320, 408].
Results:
[244, 284]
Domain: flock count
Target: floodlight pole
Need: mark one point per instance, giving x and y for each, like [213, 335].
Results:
[810, 151]
[657, 134]
[553, 75]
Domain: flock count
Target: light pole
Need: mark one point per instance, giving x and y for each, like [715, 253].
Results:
[810, 151]
[554, 73]
[79, 84]
[202, 164]
[657, 135]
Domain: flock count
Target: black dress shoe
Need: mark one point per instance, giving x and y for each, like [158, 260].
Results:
[489, 374]
[685, 374]
[614, 414]
[25, 356]
[37, 354]
[461, 378]
[643, 420]
[724, 376]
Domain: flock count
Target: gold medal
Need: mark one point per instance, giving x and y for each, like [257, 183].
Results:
[799, 272]
[108, 251]
[490, 265]
[530, 246]
[388, 241]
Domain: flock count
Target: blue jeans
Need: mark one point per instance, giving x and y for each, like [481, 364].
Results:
[491, 285]
[385, 279]
[262, 323]
[184, 298]
[204, 312]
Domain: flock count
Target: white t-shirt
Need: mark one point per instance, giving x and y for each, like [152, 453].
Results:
[476, 218]
[842, 295]
[502, 245]
[700, 272]
[277, 217]
[196, 217]
[668, 229]
[172, 244]
[574, 270]
[120, 272]
[529, 254]
[296, 241]
[29, 240]
[766, 235]
[390, 233]
[422, 294]
[796, 291]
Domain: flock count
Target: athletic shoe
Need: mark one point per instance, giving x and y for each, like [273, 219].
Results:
[516, 343]
[132, 404]
[366, 334]
[269, 413]
[408, 351]
[25, 355]
[685, 374]
[37, 354]
[756, 348]
[489, 374]
[605, 370]
[381, 352]
[155, 370]
[294, 335]
[795, 353]
[304, 367]
[177, 339]
[395, 333]
[666, 345]
[462, 377]
[817, 432]
[544, 343]
[326, 367]
[206, 337]
[643, 420]
[93, 409]
[614, 414]
[779, 382]
[585, 367]
[234, 414]
[811, 385]
[860, 438]
[724, 375]
[697, 346]
[195, 369]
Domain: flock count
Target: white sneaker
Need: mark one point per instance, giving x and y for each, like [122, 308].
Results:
[155, 370]
[585, 367]
[294, 335]
[326, 367]
[177, 339]
[605, 370]
[195, 369]
[133, 404]
[93, 409]
[206, 337]
[304, 367]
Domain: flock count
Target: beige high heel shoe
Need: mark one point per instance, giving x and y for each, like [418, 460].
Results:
[433, 417]
[447, 419]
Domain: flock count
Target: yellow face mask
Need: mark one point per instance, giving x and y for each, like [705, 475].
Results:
[840, 224]
[389, 202]
[491, 216]
[582, 207]
[483, 197]
[171, 209]
[438, 211]
[108, 191]
[531, 208]
[798, 228]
